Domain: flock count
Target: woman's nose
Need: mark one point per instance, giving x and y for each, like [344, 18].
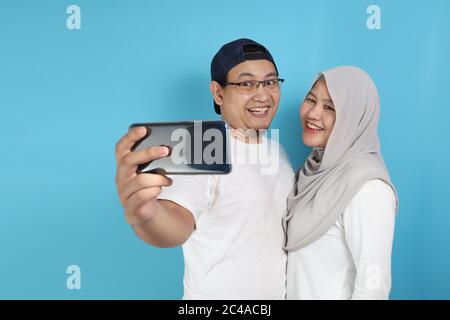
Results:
[314, 113]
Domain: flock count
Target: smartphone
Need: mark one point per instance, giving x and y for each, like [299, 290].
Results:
[195, 147]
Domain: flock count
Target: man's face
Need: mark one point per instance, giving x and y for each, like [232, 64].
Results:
[244, 109]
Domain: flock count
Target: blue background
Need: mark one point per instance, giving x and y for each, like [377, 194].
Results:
[67, 96]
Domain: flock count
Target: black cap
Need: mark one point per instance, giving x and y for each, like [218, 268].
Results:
[234, 53]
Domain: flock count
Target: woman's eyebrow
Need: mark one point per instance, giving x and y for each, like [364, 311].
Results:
[311, 93]
[326, 100]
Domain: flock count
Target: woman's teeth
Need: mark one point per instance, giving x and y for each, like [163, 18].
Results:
[258, 110]
[313, 127]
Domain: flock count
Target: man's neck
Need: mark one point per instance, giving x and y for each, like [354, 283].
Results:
[250, 136]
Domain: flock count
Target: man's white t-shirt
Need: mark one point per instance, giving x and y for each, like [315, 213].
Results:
[235, 251]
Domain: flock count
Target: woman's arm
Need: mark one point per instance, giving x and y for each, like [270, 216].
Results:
[369, 229]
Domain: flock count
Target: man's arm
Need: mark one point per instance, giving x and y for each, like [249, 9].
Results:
[161, 223]
[171, 226]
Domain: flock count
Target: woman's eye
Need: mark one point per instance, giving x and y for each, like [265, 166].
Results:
[310, 100]
[329, 108]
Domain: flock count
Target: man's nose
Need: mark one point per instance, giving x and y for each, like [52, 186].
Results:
[261, 93]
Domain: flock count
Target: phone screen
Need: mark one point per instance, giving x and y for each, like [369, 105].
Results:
[196, 147]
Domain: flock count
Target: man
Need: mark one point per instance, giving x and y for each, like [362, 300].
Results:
[229, 225]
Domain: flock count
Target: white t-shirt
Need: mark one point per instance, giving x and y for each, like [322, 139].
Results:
[235, 251]
[353, 259]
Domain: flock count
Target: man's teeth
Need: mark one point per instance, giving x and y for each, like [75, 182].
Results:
[313, 126]
[258, 110]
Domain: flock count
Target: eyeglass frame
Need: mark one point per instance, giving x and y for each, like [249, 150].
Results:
[259, 83]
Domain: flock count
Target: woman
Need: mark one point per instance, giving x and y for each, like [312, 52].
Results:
[341, 212]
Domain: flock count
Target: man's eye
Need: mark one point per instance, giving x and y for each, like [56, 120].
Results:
[270, 82]
[247, 84]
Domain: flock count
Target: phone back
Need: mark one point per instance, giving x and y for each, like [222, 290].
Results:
[196, 147]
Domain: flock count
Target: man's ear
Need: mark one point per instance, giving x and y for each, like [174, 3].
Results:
[216, 91]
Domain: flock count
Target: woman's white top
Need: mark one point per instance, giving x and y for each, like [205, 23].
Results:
[353, 259]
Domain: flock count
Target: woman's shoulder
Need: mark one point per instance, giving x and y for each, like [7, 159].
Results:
[376, 185]
[375, 193]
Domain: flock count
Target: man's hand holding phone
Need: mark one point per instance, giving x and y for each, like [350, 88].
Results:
[138, 192]
[142, 157]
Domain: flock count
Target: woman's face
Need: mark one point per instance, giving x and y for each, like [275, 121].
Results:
[317, 115]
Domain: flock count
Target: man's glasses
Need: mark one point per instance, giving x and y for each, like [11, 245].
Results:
[250, 86]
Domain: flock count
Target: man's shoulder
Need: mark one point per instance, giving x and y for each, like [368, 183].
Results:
[282, 154]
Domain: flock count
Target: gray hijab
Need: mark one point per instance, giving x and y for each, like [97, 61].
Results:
[331, 177]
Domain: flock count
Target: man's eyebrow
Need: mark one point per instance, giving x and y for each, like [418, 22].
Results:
[246, 74]
[272, 74]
